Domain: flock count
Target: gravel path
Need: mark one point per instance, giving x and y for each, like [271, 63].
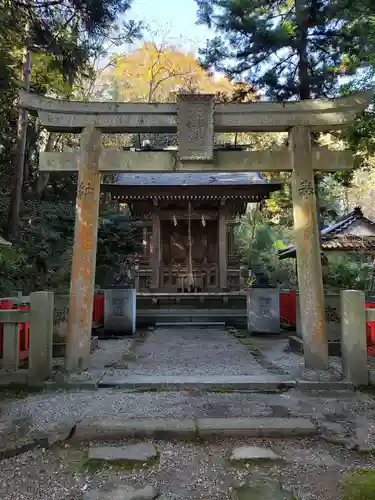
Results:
[194, 351]
[71, 406]
[117, 404]
[186, 471]
[110, 352]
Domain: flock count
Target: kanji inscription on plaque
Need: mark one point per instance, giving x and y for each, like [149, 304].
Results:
[195, 126]
[60, 315]
[265, 307]
[117, 306]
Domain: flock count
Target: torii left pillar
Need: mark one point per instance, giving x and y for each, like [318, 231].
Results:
[84, 252]
[310, 280]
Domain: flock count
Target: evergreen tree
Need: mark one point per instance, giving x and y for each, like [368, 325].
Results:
[71, 31]
[290, 48]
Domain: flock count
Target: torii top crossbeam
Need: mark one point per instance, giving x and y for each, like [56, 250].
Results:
[116, 117]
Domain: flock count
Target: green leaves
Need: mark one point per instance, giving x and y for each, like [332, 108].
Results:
[290, 52]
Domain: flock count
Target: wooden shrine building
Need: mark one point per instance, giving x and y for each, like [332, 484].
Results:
[351, 233]
[189, 241]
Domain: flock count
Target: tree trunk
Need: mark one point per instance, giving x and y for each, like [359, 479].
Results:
[15, 203]
[305, 93]
[303, 60]
[44, 176]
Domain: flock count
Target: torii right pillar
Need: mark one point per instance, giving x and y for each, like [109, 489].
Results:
[310, 280]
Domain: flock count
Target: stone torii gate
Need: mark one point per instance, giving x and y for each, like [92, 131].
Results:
[196, 118]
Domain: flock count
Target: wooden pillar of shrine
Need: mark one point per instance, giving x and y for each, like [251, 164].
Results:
[310, 280]
[84, 252]
[223, 246]
[156, 248]
[144, 241]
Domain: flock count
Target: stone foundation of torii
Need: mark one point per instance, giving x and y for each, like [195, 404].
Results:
[196, 117]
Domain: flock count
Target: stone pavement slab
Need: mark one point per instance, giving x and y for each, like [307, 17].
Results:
[262, 490]
[139, 452]
[122, 492]
[107, 430]
[193, 429]
[262, 383]
[255, 427]
[253, 454]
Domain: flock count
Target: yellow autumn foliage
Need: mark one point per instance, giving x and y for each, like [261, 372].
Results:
[156, 74]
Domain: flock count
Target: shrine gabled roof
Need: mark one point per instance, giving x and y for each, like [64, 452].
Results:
[246, 186]
[193, 179]
[338, 236]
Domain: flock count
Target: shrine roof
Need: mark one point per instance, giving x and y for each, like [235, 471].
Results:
[245, 186]
[353, 232]
[193, 179]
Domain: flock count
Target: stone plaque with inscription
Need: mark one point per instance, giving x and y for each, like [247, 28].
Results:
[119, 311]
[60, 317]
[263, 310]
[195, 126]
[332, 317]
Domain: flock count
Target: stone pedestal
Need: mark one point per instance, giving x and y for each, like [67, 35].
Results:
[119, 311]
[263, 310]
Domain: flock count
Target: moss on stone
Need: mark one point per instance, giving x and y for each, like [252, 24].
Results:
[262, 490]
[84, 465]
[222, 389]
[359, 485]
[129, 356]
[18, 392]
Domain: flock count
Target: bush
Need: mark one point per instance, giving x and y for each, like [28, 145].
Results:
[43, 257]
[347, 273]
[259, 242]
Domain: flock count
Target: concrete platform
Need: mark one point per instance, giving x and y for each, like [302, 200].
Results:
[263, 383]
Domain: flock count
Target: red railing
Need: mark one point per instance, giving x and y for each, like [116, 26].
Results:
[98, 311]
[24, 328]
[370, 331]
[288, 307]
[23, 331]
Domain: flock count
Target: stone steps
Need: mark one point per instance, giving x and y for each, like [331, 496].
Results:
[235, 317]
[179, 324]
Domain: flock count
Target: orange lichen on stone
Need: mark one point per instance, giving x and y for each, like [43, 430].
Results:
[84, 252]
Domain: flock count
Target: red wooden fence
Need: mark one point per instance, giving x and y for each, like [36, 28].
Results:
[24, 328]
[370, 332]
[288, 303]
[98, 311]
